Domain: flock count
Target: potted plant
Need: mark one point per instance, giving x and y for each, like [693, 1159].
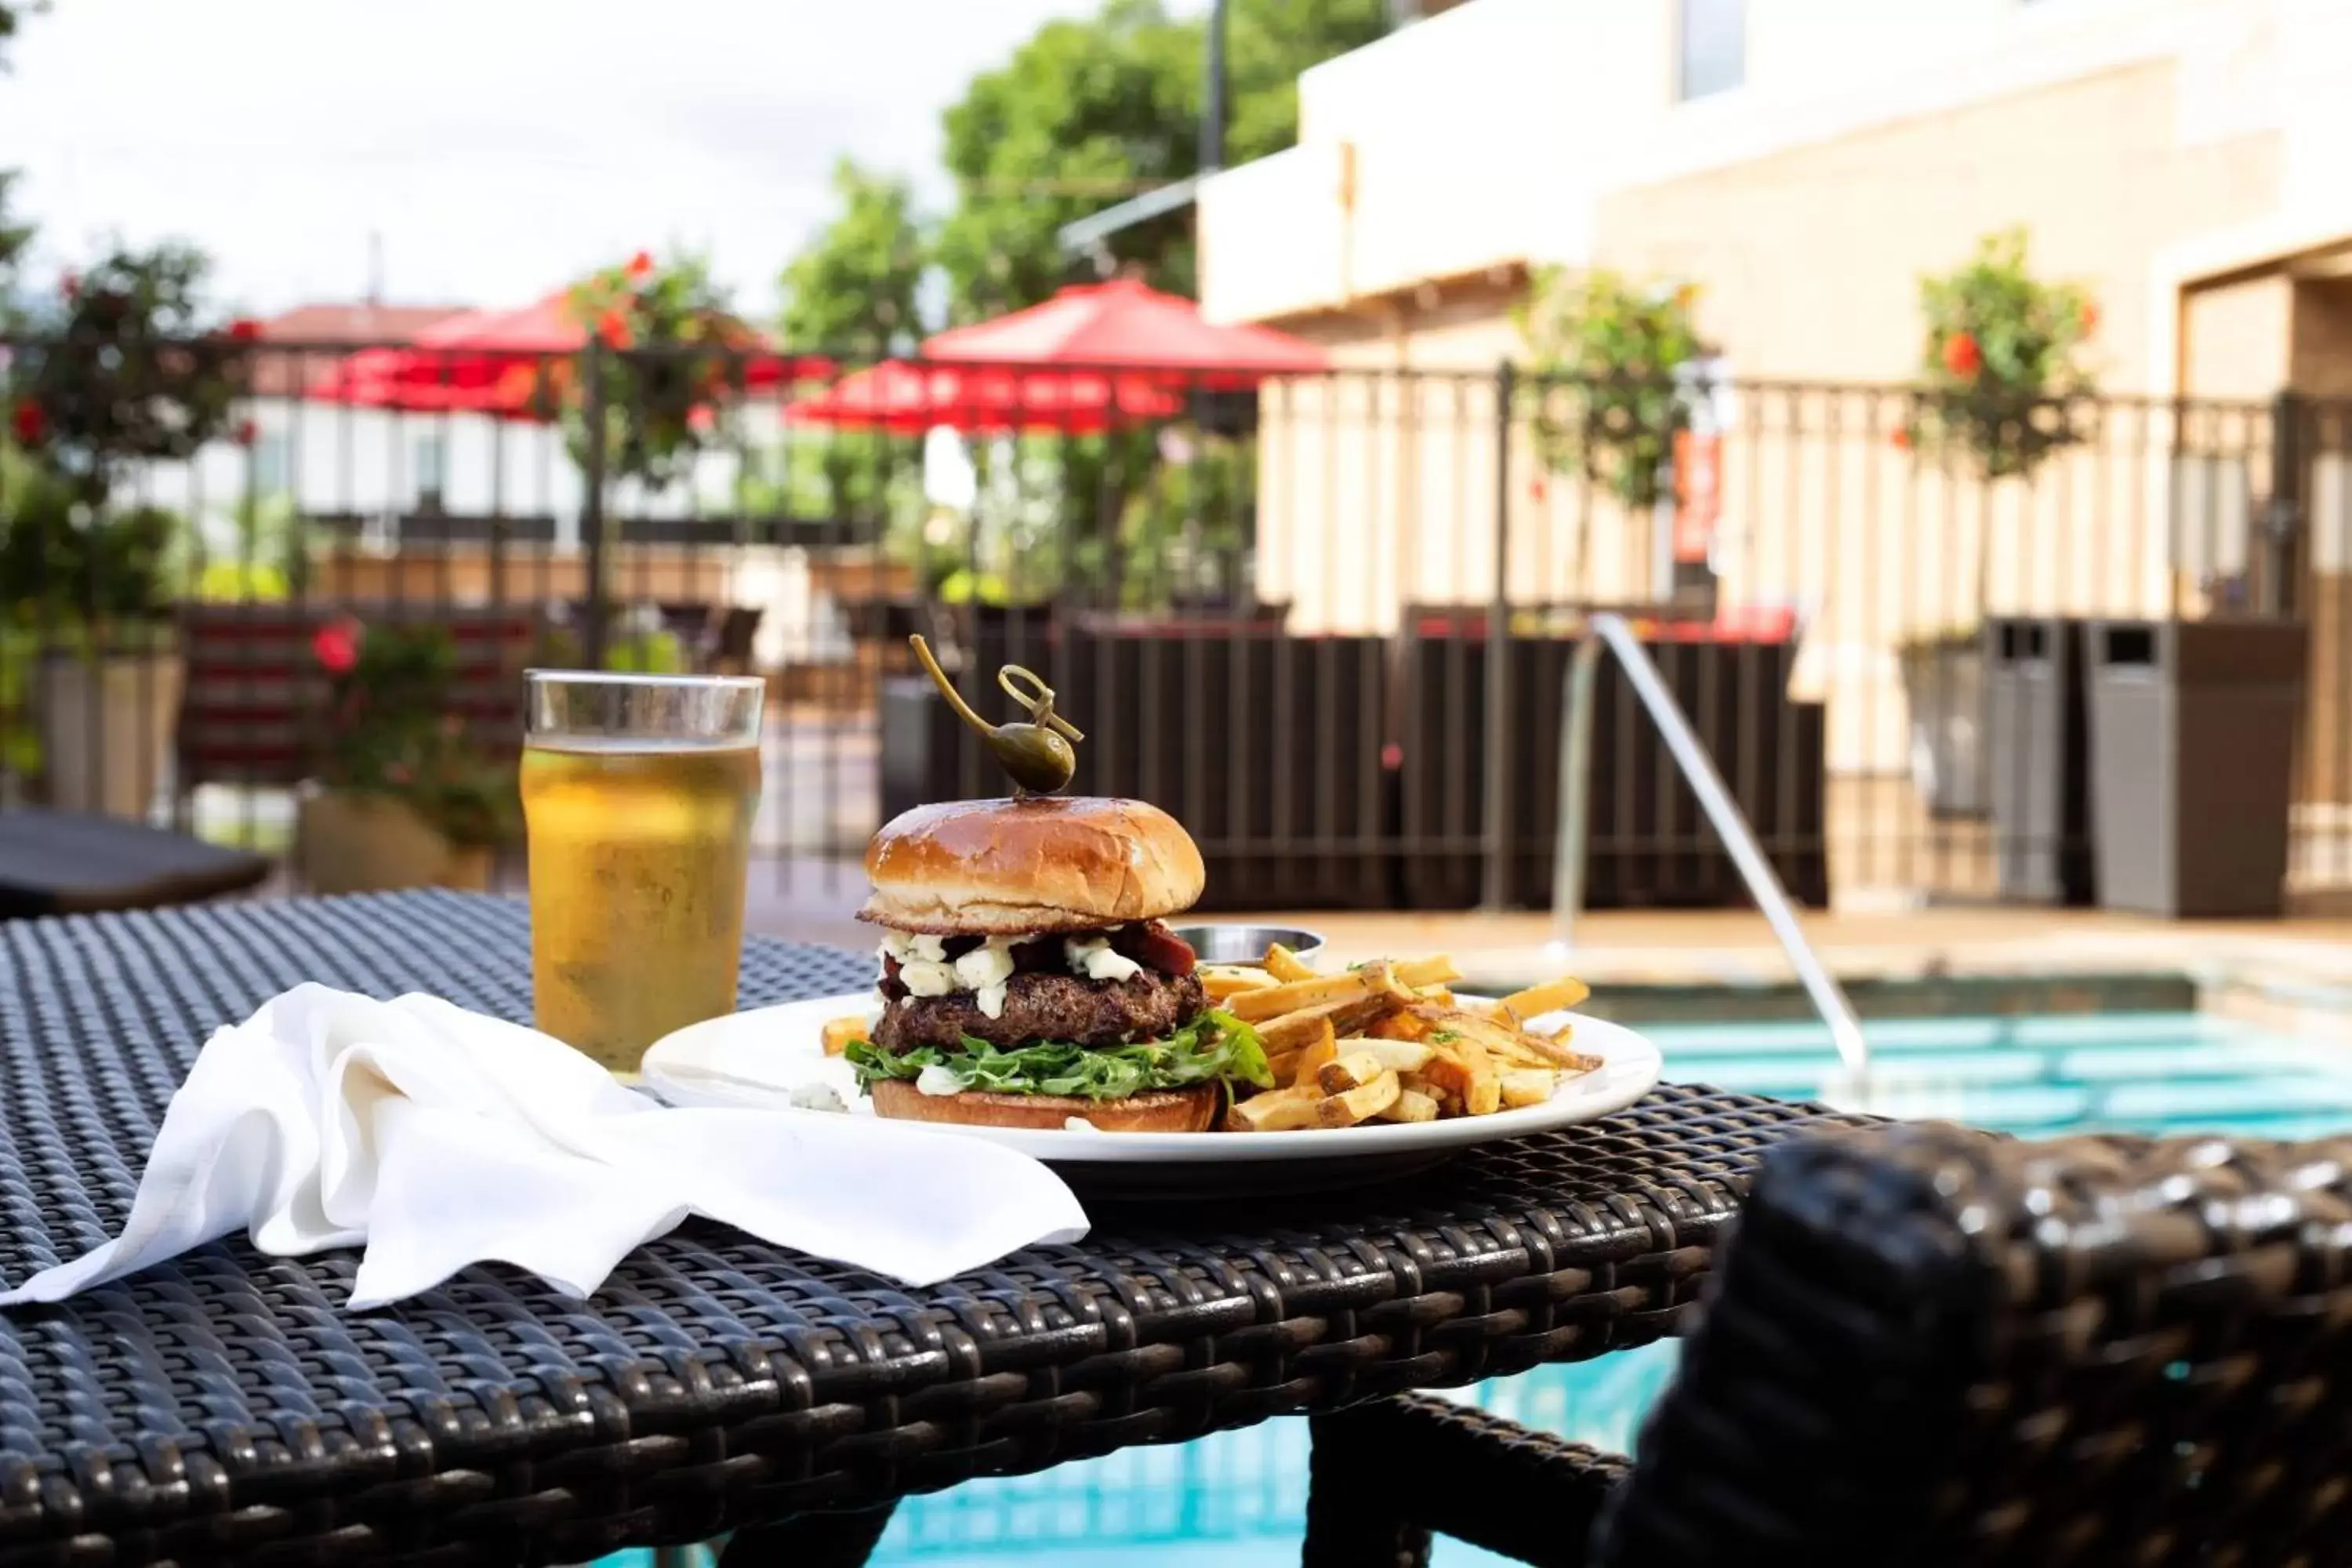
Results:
[2003, 384]
[1608, 403]
[122, 368]
[669, 368]
[85, 598]
[1943, 674]
[403, 799]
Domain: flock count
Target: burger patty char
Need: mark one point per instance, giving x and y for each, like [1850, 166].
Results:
[1043, 1005]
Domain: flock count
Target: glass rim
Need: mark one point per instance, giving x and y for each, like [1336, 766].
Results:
[621, 677]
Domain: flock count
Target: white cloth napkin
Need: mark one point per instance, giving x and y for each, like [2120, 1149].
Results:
[437, 1137]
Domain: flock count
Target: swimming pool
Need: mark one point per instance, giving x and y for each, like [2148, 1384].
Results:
[1240, 1496]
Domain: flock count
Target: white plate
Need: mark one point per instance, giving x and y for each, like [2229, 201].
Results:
[756, 1059]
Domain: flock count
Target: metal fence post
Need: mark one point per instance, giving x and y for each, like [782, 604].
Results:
[1497, 893]
[2282, 518]
[592, 508]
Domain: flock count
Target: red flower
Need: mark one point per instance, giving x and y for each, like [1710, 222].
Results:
[337, 646]
[245, 433]
[1901, 441]
[1537, 489]
[2090, 318]
[244, 330]
[28, 423]
[70, 286]
[614, 328]
[641, 265]
[1961, 356]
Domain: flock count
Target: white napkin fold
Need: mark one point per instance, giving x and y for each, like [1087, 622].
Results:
[437, 1137]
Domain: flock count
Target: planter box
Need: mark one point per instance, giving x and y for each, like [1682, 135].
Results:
[1943, 685]
[1648, 842]
[105, 729]
[353, 842]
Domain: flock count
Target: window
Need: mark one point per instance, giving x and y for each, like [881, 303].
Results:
[429, 452]
[1712, 48]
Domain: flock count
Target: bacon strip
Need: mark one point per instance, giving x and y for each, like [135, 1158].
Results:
[1154, 946]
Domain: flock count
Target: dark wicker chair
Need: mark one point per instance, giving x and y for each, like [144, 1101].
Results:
[1926, 1346]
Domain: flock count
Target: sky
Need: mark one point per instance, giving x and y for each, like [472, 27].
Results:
[499, 148]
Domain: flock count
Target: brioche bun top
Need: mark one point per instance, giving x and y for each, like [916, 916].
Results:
[1040, 863]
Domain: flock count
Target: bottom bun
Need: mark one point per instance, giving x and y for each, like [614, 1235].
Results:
[1192, 1109]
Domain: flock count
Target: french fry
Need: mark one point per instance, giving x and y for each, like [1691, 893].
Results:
[1447, 1074]
[1531, 1086]
[1389, 1041]
[1274, 1001]
[1411, 1105]
[1315, 1057]
[1284, 964]
[1551, 996]
[1414, 1023]
[1550, 1050]
[1435, 970]
[1401, 1055]
[839, 1032]
[1484, 1097]
[1357, 1018]
[1347, 1070]
[1359, 1104]
[1292, 1030]
[1276, 1110]
[1223, 982]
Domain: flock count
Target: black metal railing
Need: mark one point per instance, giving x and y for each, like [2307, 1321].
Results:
[1325, 622]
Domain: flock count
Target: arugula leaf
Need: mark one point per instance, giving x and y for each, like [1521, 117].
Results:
[1214, 1048]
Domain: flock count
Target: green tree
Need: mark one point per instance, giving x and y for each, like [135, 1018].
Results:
[11, 19]
[1088, 113]
[2001, 365]
[1605, 350]
[14, 237]
[854, 290]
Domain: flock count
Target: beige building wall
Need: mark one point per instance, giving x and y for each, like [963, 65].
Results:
[2237, 339]
[1377, 485]
[1811, 260]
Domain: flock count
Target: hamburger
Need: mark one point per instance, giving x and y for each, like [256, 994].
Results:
[1028, 977]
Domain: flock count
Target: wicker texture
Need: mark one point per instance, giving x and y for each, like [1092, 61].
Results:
[225, 1404]
[1387, 1473]
[1928, 1346]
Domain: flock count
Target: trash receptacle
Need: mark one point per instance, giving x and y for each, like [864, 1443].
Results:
[2192, 753]
[2035, 758]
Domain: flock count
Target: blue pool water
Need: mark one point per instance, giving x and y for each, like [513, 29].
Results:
[1240, 1497]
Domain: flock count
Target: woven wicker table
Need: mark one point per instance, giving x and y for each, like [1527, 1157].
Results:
[226, 1407]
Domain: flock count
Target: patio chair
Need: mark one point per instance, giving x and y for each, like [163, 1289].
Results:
[59, 863]
[1929, 1346]
[727, 642]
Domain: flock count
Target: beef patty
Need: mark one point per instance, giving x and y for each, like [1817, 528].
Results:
[1043, 1005]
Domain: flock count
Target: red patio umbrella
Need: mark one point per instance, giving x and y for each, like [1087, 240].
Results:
[492, 362]
[1125, 322]
[914, 396]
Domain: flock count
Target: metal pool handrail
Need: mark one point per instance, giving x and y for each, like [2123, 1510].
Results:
[1612, 633]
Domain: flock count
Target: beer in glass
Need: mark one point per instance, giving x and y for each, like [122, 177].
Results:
[638, 793]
